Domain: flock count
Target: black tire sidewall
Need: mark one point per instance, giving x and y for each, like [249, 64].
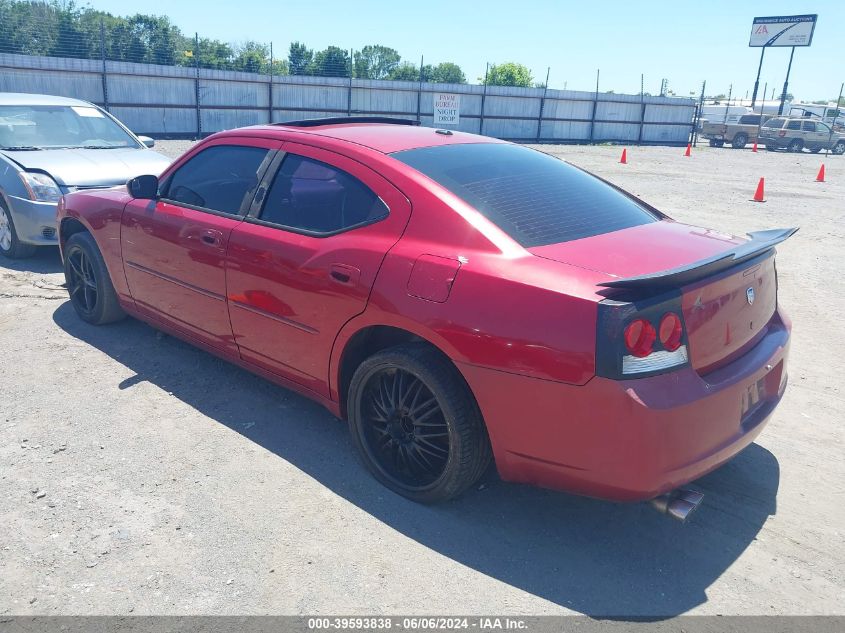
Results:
[736, 141]
[107, 309]
[795, 146]
[453, 402]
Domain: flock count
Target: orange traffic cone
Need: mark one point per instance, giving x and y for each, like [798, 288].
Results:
[820, 177]
[688, 152]
[624, 159]
[754, 149]
[758, 195]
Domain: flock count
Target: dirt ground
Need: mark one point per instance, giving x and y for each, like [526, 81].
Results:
[142, 476]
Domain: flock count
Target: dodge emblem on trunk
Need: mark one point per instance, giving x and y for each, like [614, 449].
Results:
[749, 294]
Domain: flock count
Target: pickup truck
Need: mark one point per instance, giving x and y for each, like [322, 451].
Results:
[737, 134]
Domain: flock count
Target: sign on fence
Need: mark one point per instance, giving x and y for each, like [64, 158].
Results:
[447, 108]
[784, 30]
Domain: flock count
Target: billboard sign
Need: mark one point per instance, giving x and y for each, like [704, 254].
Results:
[784, 30]
[447, 108]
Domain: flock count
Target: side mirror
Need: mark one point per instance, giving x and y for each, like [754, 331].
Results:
[143, 187]
[147, 141]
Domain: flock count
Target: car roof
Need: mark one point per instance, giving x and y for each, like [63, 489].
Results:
[382, 137]
[23, 98]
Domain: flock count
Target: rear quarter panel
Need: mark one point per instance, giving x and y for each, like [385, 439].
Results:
[507, 309]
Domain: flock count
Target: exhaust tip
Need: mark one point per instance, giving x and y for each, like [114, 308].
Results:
[678, 504]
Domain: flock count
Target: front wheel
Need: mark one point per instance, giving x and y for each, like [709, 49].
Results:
[88, 283]
[416, 425]
[10, 245]
[740, 140]
[839, 148]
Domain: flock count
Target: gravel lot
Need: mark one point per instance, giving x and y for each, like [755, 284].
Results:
[142, 476]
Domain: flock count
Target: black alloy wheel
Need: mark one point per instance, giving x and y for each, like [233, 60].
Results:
[416, 424]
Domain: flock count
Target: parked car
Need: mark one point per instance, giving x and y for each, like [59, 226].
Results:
[738, 134]
[50, 146]
[798, 133]
[455, 298]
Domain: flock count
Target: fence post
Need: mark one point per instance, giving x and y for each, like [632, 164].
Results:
[419, 89]
[697, 118]
[543, 103]
[349, 93]
[270, 87]
[197, 83]
[483, 98]
[103, 56]
[595, 107]
[642, 109]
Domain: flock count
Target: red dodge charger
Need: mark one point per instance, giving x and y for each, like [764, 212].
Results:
[456, 298]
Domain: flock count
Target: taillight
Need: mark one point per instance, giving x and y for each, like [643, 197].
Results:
[639, 337]
[670, 331]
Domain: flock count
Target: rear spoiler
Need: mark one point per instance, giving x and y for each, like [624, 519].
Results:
[759, 243]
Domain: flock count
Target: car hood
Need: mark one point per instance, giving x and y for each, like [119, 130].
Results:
[640, 250]
[91, 167]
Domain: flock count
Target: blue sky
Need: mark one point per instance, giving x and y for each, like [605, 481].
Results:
[685, 42]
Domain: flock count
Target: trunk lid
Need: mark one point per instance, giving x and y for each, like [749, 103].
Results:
[726, 311]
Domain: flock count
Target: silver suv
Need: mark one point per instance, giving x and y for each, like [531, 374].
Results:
[798, 133]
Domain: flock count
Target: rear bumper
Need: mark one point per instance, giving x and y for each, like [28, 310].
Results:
[35, 222]
[634, 439]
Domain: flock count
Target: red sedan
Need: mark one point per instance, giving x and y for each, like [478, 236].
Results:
[454, 297]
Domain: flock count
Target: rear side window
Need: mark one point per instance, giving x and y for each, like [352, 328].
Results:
[314, 197]
[775, 123]
[218, 178]
[533, 197]
[809, 126]
[749, 119]
[793, 125]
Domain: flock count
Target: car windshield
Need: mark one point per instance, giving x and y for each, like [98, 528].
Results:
[57, 126]
[534, 198]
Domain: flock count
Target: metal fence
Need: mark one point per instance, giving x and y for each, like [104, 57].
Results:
[161, 82]
[179, 101]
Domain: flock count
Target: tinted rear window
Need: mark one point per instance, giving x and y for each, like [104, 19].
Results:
[534, 198]
[749, 119]
[774, 123]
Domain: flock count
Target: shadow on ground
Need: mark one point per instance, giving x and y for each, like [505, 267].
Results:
[593, 557]
[45, 261]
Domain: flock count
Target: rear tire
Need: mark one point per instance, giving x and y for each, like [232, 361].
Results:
[795, 145]
[10, 245]
[416, 425]
[839, 148]
[740, 141]
[88, 283]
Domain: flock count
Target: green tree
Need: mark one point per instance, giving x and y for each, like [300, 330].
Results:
[406, 71]
[508, 74]
[300, 59]
[445, 73]
[376, 62]
[332, 62]
[71, 38]
[251, 57]
[27, 28]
